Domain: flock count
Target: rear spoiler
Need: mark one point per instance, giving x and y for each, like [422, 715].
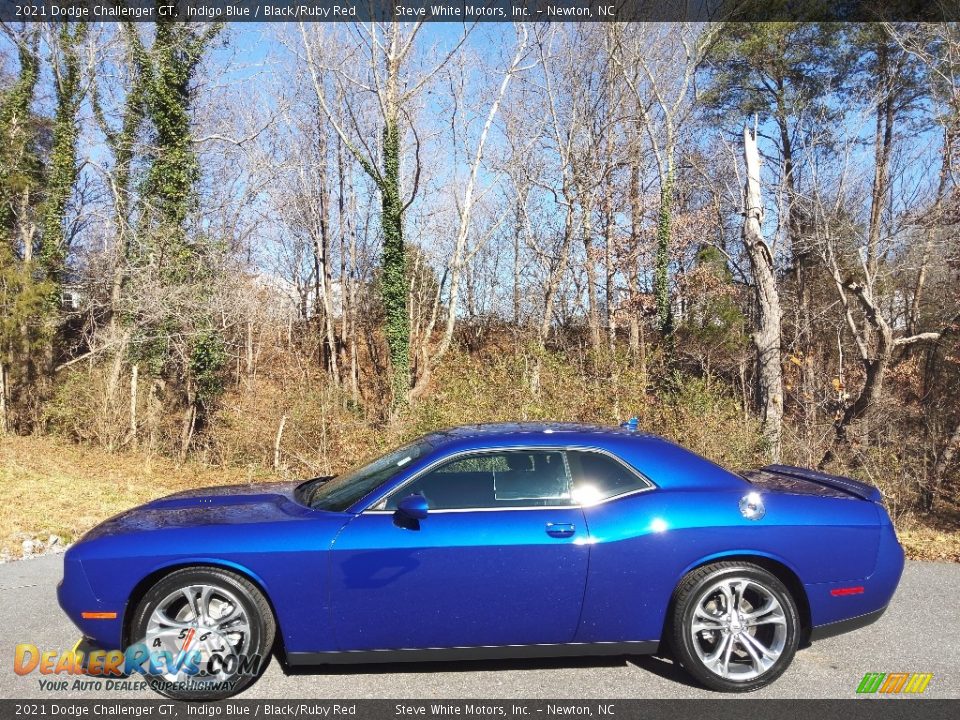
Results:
[838, 482]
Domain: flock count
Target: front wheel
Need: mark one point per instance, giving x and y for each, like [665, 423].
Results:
[735, 627]
[208, 634]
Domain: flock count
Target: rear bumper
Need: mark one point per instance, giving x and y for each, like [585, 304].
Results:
[834, 609]
[844, 626]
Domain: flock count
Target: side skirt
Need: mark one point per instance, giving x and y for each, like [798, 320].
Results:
[484, 652]
[844, 626]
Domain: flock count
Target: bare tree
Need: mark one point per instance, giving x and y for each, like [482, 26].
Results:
[767, 336]
[659, 65]
[388, 49]
[465, 209]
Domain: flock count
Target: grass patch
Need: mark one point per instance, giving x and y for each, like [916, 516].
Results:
[932, 538]
[49, 487]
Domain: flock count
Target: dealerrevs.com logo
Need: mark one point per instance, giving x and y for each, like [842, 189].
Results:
[200, 661]
[894, 683]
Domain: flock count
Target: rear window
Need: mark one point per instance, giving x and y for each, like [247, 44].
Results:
[598, 477]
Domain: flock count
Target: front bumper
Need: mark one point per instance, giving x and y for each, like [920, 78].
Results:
[76, 598]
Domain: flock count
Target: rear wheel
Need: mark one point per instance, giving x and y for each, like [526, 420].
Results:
[734, 627]
[209, 633]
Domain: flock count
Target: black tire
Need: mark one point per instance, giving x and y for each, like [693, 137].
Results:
[697, 587]
[262, 626]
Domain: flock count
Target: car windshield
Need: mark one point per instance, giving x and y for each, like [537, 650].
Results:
[344, 490]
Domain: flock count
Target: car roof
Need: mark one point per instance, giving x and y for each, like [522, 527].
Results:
[664, 462]
[509, 430]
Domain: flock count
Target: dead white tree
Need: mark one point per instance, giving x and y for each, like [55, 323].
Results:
[767, 334]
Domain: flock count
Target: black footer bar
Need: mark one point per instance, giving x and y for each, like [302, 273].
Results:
[724, 708]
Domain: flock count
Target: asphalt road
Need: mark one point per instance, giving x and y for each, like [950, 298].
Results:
[919, 633]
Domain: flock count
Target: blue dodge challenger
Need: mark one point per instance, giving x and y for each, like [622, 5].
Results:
[489, 541]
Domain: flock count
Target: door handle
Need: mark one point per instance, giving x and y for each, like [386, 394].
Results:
[561, 530]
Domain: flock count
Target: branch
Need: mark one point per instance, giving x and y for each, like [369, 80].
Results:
[95, 351]
[417, 165]
[365, 162]
[932, 336]
[919, 337]
[426, 78]
[239, 142]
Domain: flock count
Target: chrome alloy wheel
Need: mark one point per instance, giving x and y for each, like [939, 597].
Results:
[200, 618]
[739, 629]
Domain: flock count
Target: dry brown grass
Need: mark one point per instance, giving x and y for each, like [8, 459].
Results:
[938, 538]
[50, 487]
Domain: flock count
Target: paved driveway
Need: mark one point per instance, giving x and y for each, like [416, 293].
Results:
[919, 633]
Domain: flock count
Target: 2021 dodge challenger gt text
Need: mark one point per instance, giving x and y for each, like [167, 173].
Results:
[489, 541]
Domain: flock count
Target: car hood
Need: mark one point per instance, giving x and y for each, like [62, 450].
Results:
[226, 495]
[225, 505]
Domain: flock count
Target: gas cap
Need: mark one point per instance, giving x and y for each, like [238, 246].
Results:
[751, 506]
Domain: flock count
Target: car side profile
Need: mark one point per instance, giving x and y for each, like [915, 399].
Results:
[493, 541]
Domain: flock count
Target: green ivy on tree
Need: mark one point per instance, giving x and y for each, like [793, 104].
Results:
[165, 91]
[62, 173]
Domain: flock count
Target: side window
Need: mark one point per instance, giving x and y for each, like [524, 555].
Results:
[597, 477]
[516, 478]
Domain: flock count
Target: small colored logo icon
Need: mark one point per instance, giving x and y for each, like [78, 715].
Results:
[894, 683]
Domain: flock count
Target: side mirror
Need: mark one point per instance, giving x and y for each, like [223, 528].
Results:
[414, 507]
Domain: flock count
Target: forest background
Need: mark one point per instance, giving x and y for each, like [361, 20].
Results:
[252, 252]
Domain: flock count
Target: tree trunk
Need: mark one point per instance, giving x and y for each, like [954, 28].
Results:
[249, 350]
[134, 373]
[767, 335]
[517, 238]
[945, 459]
[123, 145]
[351, 296]
[593, 312]
[874, 366]
[345, 227]
[460, 256]
[556, 276]
[154, 407]
[62, 173]
[661, 269]
[394, 266]
[804, 273]
[110, 401]
[347, 212]
[276, 443]
[189, 424]
[883, 144]
[324, 276]
[633, 276]
[608, 271]
[3, 399]
[935, 222]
